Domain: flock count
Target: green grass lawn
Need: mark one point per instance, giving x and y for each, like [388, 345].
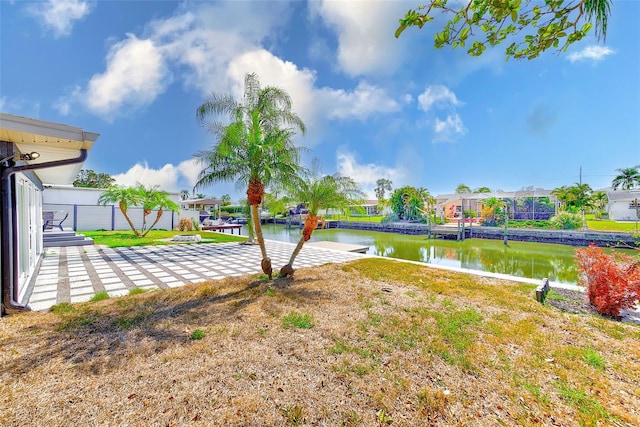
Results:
[126, 238]
[372, 218]
[611, 225]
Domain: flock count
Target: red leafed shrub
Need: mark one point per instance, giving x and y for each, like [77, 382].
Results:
[613, 281]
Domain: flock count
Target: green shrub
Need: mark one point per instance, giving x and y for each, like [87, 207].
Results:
[197, 334]
[232, 209]
[470, 213]
[566, 221]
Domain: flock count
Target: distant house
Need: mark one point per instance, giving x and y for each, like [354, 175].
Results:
[622, 204]
[32, 153]
[537, 204]
[367, 208]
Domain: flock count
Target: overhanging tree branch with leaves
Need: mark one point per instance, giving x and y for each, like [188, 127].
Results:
[532, 27]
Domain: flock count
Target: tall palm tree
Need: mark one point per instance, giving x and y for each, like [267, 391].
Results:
[580, 199]
[329, 191]
[125, 197]
[255, 149]
[627, 178]
[562, 194]
[382, 185]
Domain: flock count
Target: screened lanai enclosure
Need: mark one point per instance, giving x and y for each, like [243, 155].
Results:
[538, 204]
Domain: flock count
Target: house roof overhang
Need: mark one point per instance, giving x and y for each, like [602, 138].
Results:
[52, 141]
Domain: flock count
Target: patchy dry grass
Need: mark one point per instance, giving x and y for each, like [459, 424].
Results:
[372, 342]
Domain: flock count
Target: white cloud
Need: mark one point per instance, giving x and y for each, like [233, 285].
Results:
[173, 178]
[165, 178]
[360, 103]
[60, 15]
[190, 169]
[590, 53]
[365, 34]
[209, 49]
[449, 128]
[365, 175]
[135, 75]
[439, 96]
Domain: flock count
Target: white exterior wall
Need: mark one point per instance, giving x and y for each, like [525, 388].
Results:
[622, 211]
[64, 195]
[87, 215]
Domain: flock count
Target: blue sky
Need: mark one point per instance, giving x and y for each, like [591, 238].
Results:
[375, 106]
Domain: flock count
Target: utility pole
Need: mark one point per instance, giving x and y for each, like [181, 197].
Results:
[580, 174]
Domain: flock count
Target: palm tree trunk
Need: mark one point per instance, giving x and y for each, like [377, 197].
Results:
[266, 262]
[310, 224]
[124, 212]
[159, 214]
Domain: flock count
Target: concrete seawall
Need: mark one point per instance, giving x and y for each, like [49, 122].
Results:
[564, 237]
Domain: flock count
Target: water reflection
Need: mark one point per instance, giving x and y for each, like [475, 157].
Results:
[523, 259]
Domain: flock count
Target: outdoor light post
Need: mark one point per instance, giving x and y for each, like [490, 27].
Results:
[634, 203]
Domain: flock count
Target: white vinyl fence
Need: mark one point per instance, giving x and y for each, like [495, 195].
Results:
[109, 217]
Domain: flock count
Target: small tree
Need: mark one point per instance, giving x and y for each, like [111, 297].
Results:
[148, 199]
[330, 191]
[154, 199]
[125, 197]
[599, 200]
[90, 179]
[408, 203]
[612, 281]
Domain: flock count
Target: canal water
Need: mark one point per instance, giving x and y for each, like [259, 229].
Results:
[522, 259]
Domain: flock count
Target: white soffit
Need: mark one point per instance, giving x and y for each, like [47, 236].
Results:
[52, 141]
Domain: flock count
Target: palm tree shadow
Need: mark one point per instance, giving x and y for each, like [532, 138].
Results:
[96, 338]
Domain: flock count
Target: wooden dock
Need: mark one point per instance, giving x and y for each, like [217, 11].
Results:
[346, 247]
[222, 227]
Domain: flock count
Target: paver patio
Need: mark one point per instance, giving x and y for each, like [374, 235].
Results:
[76, 273]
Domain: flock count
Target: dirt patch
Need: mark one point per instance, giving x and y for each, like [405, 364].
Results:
[570, 301]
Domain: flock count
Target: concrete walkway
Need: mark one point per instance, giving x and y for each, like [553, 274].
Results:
[77, 273]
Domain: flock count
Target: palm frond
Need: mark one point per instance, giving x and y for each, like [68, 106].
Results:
[601, 10]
